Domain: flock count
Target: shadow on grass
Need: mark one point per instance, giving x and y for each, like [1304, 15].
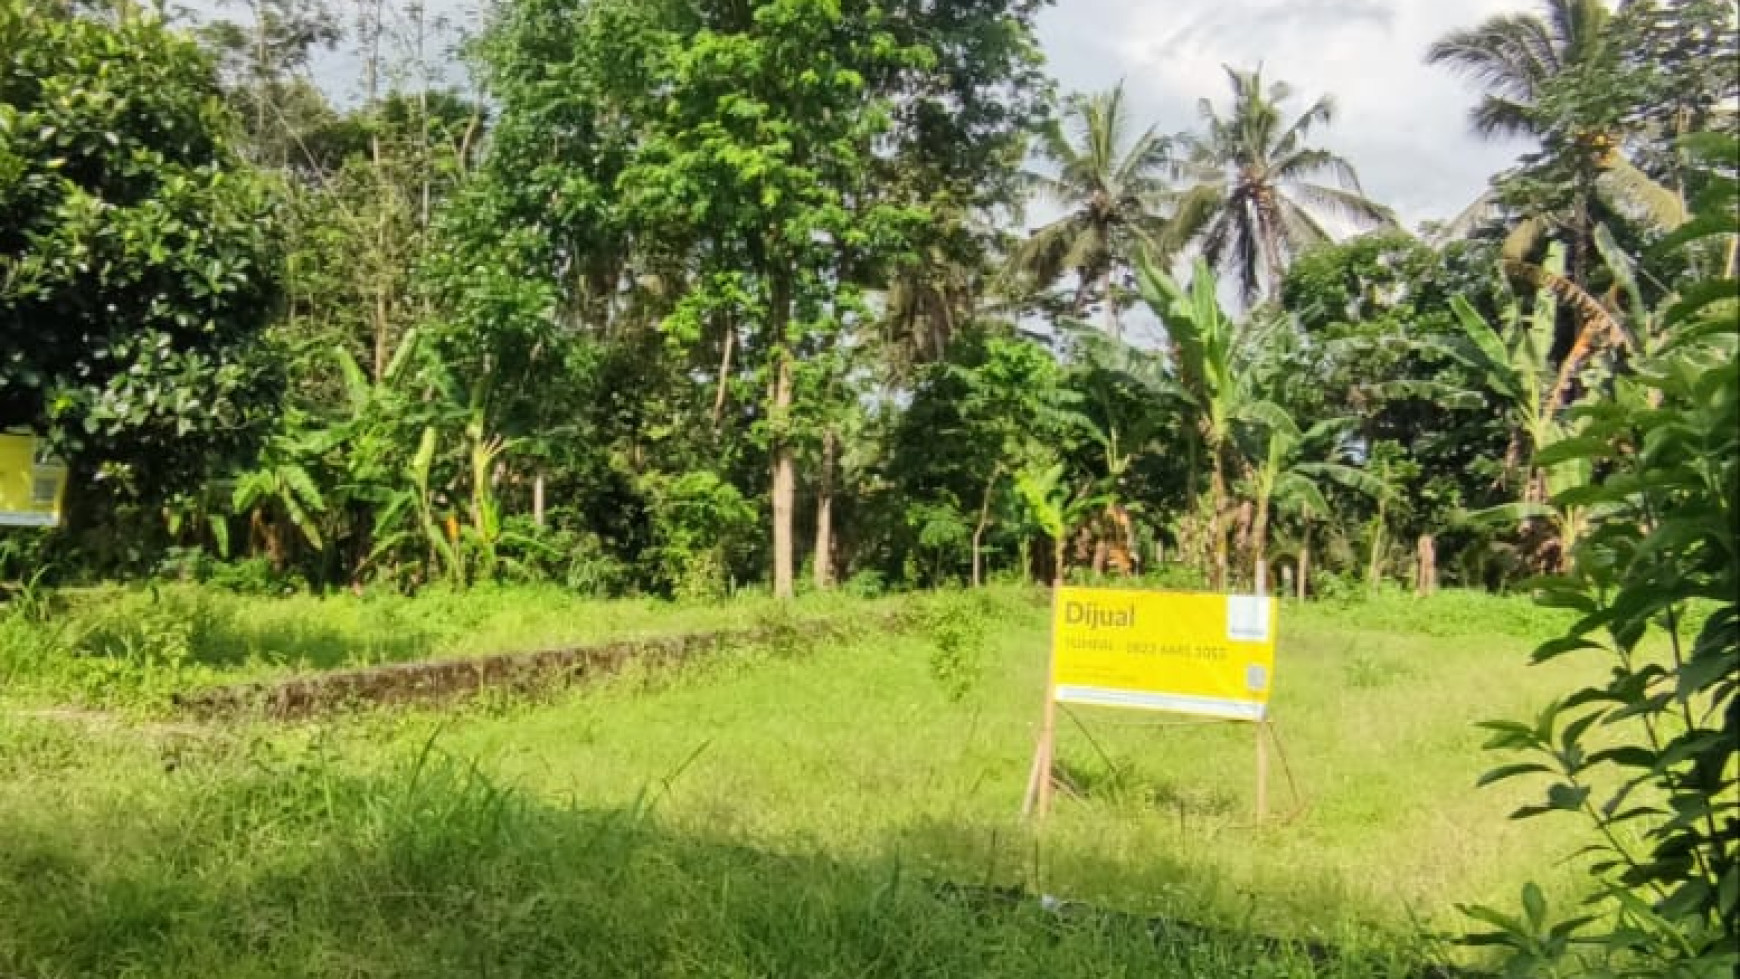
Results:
[240, 865]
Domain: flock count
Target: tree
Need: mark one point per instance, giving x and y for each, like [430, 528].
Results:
[1285, 478]
[136, 264]
[986, 413]
[1596, 90]
[1373, 315]
[1258, 194]
[766, 131]
[731, 164]
[1517, 58]
[264, 64]
[1112, 188]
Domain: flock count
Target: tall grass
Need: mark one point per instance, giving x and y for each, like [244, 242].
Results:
[253, 861]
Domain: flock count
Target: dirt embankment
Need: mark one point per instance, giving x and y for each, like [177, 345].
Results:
[449, 679]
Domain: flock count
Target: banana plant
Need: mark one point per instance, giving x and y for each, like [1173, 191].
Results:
[1055, 509]
[1212, 382]
[1518, 372]
[281, 491]
[416, 502]
[1286, 480]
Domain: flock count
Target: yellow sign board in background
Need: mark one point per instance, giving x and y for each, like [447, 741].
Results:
[31, 483]
[1206, 654]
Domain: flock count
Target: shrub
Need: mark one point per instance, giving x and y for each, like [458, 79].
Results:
[1661, 790]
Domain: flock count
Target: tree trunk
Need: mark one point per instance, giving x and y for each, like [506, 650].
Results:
[979, 528]
[1216, 530]
[784, 487]
[538, 500]
[1426, 567]
[824, 564]
[1375, 565]
[1113, 327]
[1304, 563]
[724, 373]
[1260, 544]
[371, 91]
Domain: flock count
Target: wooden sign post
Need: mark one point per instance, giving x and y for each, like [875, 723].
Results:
[1207, 655]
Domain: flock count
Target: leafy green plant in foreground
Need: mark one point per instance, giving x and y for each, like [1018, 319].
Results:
[1660, 787]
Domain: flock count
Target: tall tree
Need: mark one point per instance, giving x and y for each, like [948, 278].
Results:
[1259, 196]
[264, 61]
[737, 152]
[1551, 76]
[1112, 188]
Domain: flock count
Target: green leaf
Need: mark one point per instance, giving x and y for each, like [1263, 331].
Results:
[1625, 756]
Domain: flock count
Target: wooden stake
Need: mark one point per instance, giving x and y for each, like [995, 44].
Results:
[1262, 771]
[1263, 721]
[1039, 780]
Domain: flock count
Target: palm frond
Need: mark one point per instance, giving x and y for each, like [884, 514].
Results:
[1344, 204]
[1299, 228]
[1321, 112]
[1302, 165]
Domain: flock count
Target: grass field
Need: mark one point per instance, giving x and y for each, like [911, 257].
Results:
[782, 811]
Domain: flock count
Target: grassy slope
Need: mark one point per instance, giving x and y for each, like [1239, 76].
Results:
[753, 817]
[857, 751]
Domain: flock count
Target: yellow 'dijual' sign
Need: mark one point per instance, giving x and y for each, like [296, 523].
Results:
[1205, 654]
[32, 483]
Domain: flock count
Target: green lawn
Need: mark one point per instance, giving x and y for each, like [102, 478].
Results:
[785, 811]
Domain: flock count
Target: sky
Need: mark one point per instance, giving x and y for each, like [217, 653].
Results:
[1402, 123]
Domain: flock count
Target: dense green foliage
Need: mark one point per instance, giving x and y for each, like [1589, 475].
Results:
[136, 268]
[688, 295]
[1652, 755]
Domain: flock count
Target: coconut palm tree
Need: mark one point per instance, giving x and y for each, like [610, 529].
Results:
[1517, 57]
[1544, 75]
[1258, 200]
[1112, 189]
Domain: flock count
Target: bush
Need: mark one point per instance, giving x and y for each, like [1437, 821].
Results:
[954, 625]
[1660, 788]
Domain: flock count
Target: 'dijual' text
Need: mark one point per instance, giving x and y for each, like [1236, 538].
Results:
[1094, 616]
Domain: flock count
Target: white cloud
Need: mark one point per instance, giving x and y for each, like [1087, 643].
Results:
[1402, 123]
